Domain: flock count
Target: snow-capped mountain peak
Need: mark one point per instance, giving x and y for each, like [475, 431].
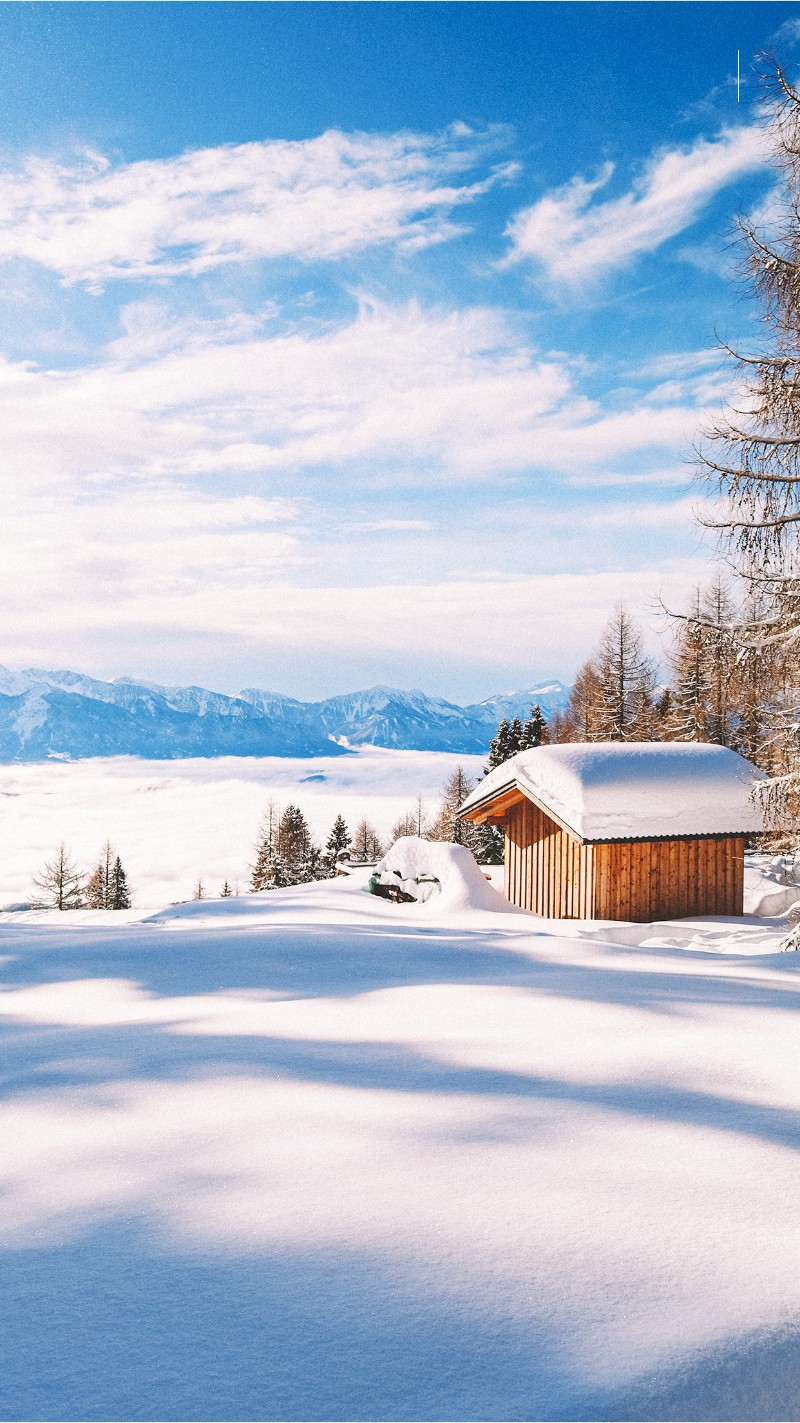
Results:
[46, 714]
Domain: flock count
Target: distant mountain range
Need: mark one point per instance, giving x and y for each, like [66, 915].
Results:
[66, 716]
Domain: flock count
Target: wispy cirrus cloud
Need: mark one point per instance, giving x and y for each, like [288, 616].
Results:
[459, 393]
[575, 236]
[92, 221]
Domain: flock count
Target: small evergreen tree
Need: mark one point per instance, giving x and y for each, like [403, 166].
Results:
[293, 844]
[534, 730]
[226, 891]
[337, 843]
[281, 876]
[664, 708]
[120, 896]
[689, 719]
[60, 881]
[499, 748]
[199, 890]
[312, 865]
[514, 736]
[488, 845]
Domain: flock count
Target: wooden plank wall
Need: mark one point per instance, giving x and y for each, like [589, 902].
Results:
[668, 879]
[548, 871]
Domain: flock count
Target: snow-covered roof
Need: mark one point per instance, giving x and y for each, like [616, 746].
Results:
[642, 790]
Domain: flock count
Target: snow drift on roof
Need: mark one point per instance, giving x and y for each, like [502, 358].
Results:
[627, 791]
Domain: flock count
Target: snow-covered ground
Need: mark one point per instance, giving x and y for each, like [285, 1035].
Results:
[176, 821]
[313, 1155]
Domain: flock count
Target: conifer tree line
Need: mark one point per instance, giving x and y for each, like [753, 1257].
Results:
[715, 690]
[60, 884]
[286, 853]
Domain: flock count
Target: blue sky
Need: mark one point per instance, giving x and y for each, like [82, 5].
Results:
[344, 343]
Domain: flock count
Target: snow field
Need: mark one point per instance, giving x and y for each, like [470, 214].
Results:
[428, 1162]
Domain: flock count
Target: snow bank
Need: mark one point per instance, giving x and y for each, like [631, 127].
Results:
[436, 871]
[643, 790]
[310, 1155]
[771, 884]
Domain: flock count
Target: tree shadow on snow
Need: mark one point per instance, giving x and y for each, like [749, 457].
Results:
[329, 960]
[49, 1059]
[121, 1325]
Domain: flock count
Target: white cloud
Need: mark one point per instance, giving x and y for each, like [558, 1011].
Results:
[126, 530]
[91, 221]
[457, 395]
[676, 476]
[391, 526]
[255, 614]
[576, 237]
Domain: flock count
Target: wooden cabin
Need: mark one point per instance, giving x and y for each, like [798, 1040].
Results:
[616, 830]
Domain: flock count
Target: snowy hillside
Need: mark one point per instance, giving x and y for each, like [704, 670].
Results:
[65, 714]
[314, 1155]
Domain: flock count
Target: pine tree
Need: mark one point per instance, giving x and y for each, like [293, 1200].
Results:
[499, 748]
[336, 845]
[690, 691]
[514, 736]
[199, 890]
[293, 844]
[489, 844]
[708, 681]
[60, 881]
[120, 897]
[281, 876]
[664, 714]
[226, 892]
[534, 730]
[312, 866]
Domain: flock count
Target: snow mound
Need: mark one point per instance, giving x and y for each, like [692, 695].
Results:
[771, 884]
[639, 790]
[434, 871]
